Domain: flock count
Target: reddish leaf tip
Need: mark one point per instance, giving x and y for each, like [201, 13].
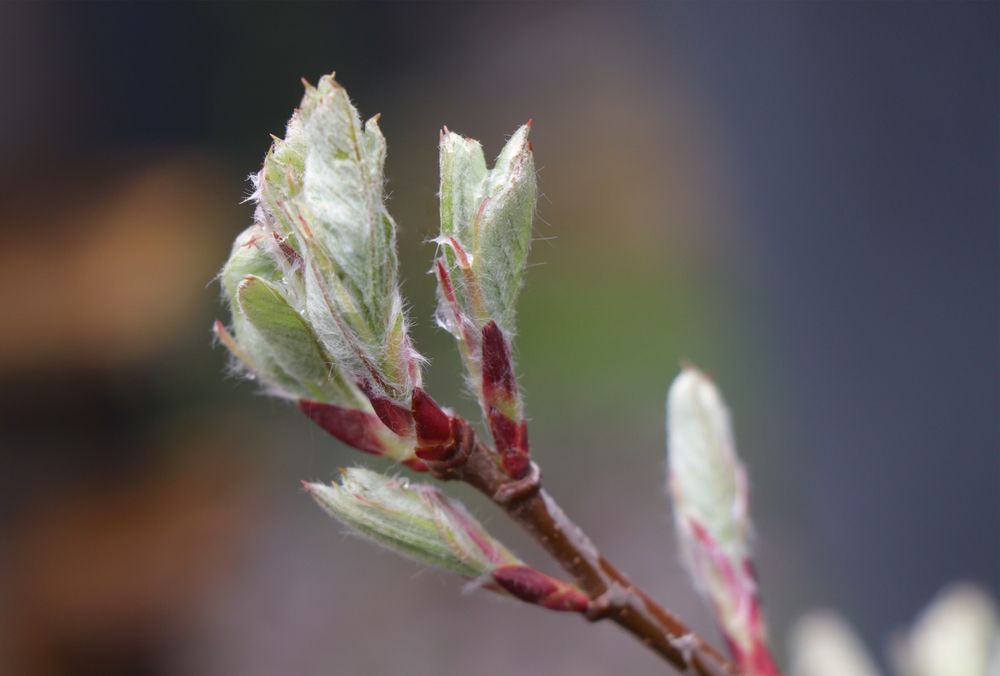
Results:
[393, 415]
[351, 426]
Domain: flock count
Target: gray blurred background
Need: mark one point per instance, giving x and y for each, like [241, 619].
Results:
[801, 198]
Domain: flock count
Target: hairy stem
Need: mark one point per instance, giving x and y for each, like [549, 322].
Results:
[612, 595]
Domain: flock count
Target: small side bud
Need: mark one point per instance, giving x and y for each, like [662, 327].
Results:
[708, 486]
[435, 435]
[420, 522]
[499, 387]
[502, 403]
[414, 520]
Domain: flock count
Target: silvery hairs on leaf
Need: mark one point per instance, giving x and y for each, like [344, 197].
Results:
[708, 487]
[485, 237]
[415, 520]
[420, 522]
[270, 339]
[327, 247]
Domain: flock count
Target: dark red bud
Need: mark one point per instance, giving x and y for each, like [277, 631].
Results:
[433, 426]
[511, 439]
[440, 450]
[395, 416]
[498, 373]
[535, 587]
[504, 431]
[355, 428]
[433, 453]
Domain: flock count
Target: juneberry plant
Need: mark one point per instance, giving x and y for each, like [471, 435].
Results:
[317, 318]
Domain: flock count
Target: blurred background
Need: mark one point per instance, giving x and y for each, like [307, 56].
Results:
[800, 198]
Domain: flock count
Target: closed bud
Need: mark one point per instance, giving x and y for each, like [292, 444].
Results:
[415, 520]
[420, 522]
[708, 486]
[535, 587]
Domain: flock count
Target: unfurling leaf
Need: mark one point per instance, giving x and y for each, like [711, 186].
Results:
[486, 220]
[313, 285]
[326, 243]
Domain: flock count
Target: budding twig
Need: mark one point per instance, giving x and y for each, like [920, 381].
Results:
[318, 318]
[612, 595]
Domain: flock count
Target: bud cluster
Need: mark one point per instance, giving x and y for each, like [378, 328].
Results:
[312, 286]
[313, 289]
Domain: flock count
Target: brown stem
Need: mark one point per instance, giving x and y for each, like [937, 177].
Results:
[612, 595]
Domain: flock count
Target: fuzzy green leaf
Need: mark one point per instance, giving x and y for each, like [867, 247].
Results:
[291, 341]
[414, 520]
[322, 187]
[486, 218]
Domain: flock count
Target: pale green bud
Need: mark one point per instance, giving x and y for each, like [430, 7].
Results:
[415, 520]
[486, 217]
[708, 486]
[823, 644]
[321, 191]
[957, 635]
[706, 478]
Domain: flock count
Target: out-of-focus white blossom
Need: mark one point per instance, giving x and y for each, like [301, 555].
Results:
[708, 487]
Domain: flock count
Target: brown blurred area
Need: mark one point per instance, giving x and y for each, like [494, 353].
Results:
[116, 532]
[728, 184]
[126, 251]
